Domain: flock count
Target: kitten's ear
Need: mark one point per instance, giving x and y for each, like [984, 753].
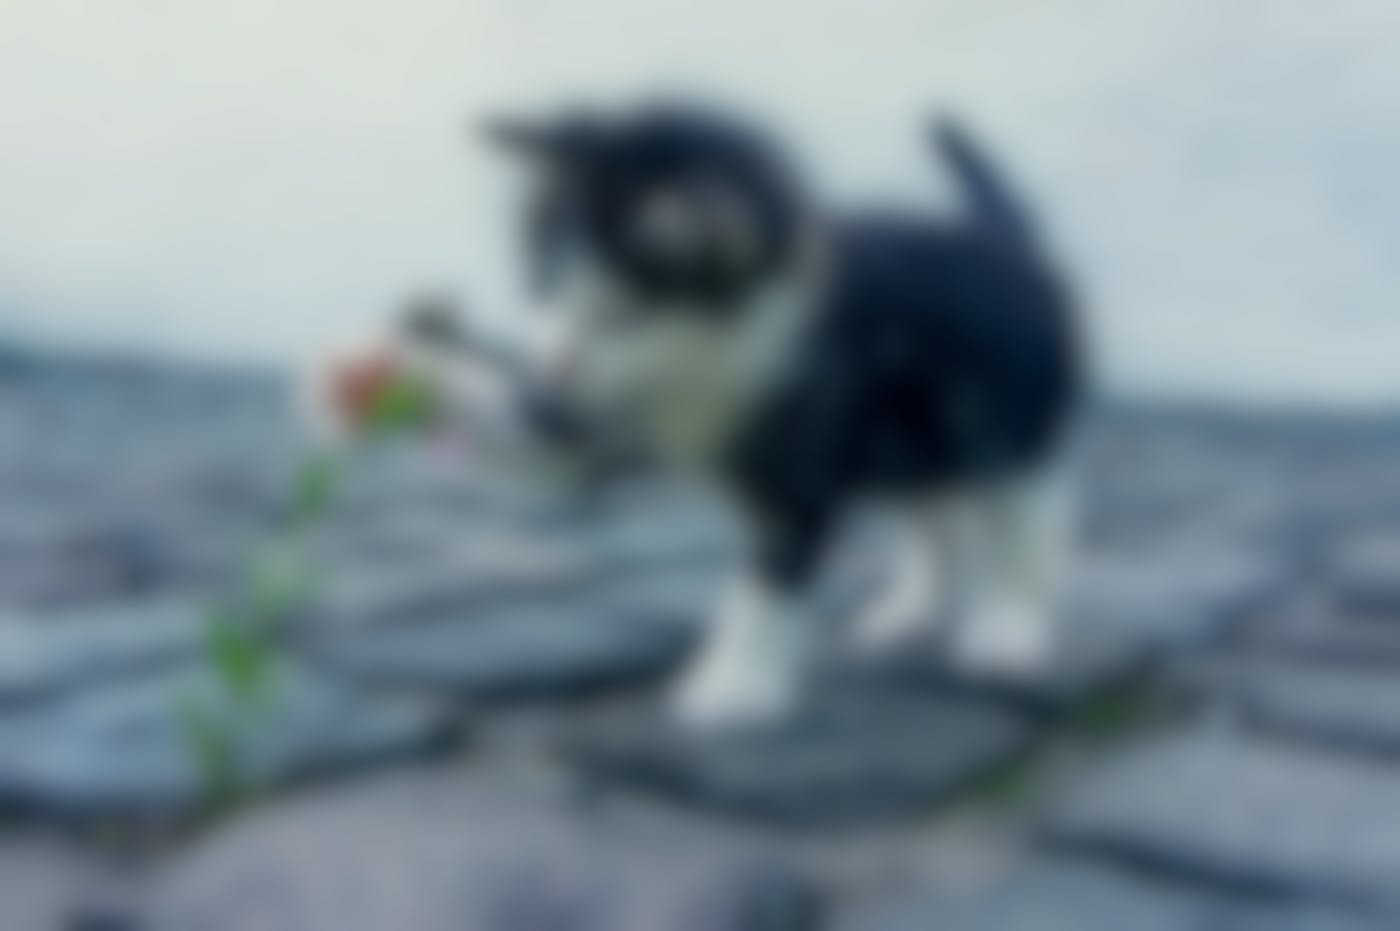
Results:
[519, 137]
[567, 140]
[434, 320]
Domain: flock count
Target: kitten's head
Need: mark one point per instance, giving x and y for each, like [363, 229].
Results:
[681, 206]
[655, 237]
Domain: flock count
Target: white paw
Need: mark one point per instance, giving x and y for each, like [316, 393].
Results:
[751, 670]
[889, 624]
[749, 675]
[712, 699]
[1005, 641]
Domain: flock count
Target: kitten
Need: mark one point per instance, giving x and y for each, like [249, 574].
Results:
[702, 305]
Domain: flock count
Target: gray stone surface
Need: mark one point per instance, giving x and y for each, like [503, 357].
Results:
[129, 494]
[550, 646]
[488, 565]
[127, 749]
[1364, 573]
[441, 858]
[1310, 631]
[1086, 664]
[109, 546]
[1251, 813]
[651, 527]
[1326, 703]
[857, 754]
[1055, 896]
[1153, 481]
[47, 584]
[41, 882]
[82, 648]
[1180, 595]
[361, 594]
[646, 522]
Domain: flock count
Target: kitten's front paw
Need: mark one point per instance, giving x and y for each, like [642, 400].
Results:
[734, 693]
[889, 625]
[1005, 641]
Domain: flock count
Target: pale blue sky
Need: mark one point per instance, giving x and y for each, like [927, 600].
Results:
[244, 179]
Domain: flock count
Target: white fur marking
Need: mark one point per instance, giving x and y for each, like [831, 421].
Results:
[911, 600]
[750, 670]
[1017, 577]
[683, 376]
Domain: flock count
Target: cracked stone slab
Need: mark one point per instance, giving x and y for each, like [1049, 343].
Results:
[41, 881]
[127, 748]
[1245, 812]
[1318, 633]
[1048, 895]
[41, 656]
[642, 525]
[404, 535]
[361, 595]
[57, 585]
[1364, 573]
[483, 568]
[855, 754]
[112, 545]
[1087, 664]
[1180, 596]
[619, 634]
[1325, 703]
[378, 487]
[664, 531]
[444, 858]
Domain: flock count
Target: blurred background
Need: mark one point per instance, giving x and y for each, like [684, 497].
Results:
[233, 180]
[242, 687]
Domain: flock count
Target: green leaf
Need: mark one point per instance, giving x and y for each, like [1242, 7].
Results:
[214, 750]
[315, 487]
[278, 585]
[239, 656]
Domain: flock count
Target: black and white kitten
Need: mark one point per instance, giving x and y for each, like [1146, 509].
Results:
[699, 303]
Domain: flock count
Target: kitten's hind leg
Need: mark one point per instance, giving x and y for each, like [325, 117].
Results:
[1016, 569]
[911, 600]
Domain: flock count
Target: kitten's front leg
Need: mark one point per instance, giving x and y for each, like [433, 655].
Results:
[750, 670]
[912, 598]
[1018, 576]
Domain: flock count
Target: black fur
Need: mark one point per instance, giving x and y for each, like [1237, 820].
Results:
[942, 356]
[942, 353]
[991, 205]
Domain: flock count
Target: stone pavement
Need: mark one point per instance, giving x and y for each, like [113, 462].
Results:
[461, 729]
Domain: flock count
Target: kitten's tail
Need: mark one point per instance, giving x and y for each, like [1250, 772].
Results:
[990, 202]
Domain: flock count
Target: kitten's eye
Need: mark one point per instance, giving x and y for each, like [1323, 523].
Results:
[734, 233]
[666, 226]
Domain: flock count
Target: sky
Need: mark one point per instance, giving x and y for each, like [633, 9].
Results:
[250, 179]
